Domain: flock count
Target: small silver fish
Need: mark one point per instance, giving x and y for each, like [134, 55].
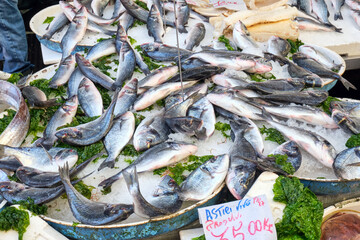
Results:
[63, 73]
[195, 36]
[90, 98]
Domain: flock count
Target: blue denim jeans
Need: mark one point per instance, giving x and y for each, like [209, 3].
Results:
[13, 43]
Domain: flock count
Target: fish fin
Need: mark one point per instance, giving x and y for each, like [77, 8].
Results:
[109, 181]
[108, 162]
[86, 162]
[47, 153]
[346, 83]
[265, 115]
[337, 16]
[266, 164]
[64, 173]
[131, 179]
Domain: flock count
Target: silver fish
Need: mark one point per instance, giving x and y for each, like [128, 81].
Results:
[124, 126]
[126, 98]
[195, 36]
[205, 179]
[126, 65]
[90, 98]
[126, 20]
[155, 25]
[10, 163]
[37, 157]
[91, 132]
[355, 14]
[348, 123]
[182, 15]
[161, 155]
[142, 207]
[278, 46]
[261, 66]
[320, 11]
[187, 125]
[183, 94]
[15, 133]
[75, 33]
[309, 97]
[353, 4]
[154, 94]
[74, 81]
[277, 85]
[308, 24]
[156, 78]
[57, 24]
[292, 150]
[62, 116]
[311, 142]
[37, 98]
[242, 37]
[318, 56]
[119, 10]
[63, 73]
[98, 6]
[92, 73]
[337, 4]
[181, 108]
[151, 131]
[90, 212]
[222, 80]
[103, 48]
[169, 6]
[163, 52]
[346, 164]
[197, 73]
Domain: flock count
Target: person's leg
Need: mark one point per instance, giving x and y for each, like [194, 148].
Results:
[13, 38]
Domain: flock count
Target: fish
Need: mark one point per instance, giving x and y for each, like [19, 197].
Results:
[187, 125]
[242, 38]
[204, 180]
[183, 94]
[313, 66]
[63, 115]
[3, 178]
[126, 98]
[98, 6]
[241, 173]
[350, 107]
[169, 6]
[308, 24]
[278, 46]
[305, 5]
[353, 4]
[195, 36]
[346, 164]
[92, 73]
[10, 163]
[292, 151]
[126, 20]
[166, 195]
[37, 98]
[90, 98]
[149, 97]
[182, 15]
[150, 132]
[159, 156]
[261, 66]
[142, 207]
[75, 33]
[204, 110]
[119, 10]
[126, 65]
[277, 85]
[355, 14]
[197, 73]
[156, 78]
[36, 178]
[307, 114]
[346, 122]
[187, 64]
[325, 60]
[91, 132]
[56, 25]
[181, 108]
[39, 158]
[314, 144]
[63, 73]
[90, 212]
[320, 11]
[123, 126]
[155, 25]
[74, 82]
[225, 81]
[337, 4]
[163, 52]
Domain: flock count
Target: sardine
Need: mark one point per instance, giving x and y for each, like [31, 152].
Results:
[56, 25]
[37, 157]
[126, 65]
[126, 98]
[346, 164]
[156, 78]
[242, 37]
[142, 207]
[182, 15]
[292, 150]
[75, 33]
[278, 46]
[161, 155]
[37, 98]
[124, 126]
[62, 116]
[151, 131]
[195, 36]
[63, 73]
[90, 212]
[163, 52]
[91, 132]
[90, 98]
[204, 180]
[155, 25]
[92, 73]
[308, 24]
[327, 61]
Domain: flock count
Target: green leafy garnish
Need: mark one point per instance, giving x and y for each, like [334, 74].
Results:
[84, 189]
[136, 23]
[14, 178]
[325, 105]
[147, 60]
[141, 4]
[48, 20]
[303, 212]
[106, 190]
[130, 151]
[160, 103]
[283, 162]
[176, 172]
[43, 85]
[103, 64]
[202, 237]
[295, 45]
[261, 77]
[138, 119]
[37, 209]
[39, 119]
[16, 219]
[223, 128]
[105, 96]
[353, 141]
[15, 77]
[149, 108]
[84, 152]
[132, 40]
[114, 23]
[129, 161]
[5, 121]
[223, 39]
[272, 135]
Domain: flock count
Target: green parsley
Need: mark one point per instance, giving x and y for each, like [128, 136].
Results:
[152, 64]
[141, 4]
[223, 39]
[272, 135]
[160, 103]
[137, 22]
[16, 219]
[84, 152]
[353, 141]
[138, 119]
[5, 121]
[295, 45]
[325, 105]
[15, 77]
[130, 151]
[202, 237]
[132, 40]
[106, 190]
[261, 77]
[282, 161]
[223, 128]
[37, 209]
[14, 178]
[43, 85]
[48, 20]
[129, 161]
[84, 189]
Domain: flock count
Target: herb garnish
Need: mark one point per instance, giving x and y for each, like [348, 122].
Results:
[84, 189]
[223, 39]
[282, 161]
[16, 219]
[37, 209]
[138, 119]
[261, 77]
[223, 128]
[325, 105]
[202, 237]
[130, 151]
[272, 134]
[48, 20]
[15, 77]
[5, 121]
[147, 60]
[141, 4]
[353, 141]
[136, 23]
[295, 45]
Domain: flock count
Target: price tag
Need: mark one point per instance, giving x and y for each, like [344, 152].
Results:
[229, 4]
[246, 219]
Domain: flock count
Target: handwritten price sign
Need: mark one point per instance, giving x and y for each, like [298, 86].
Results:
[229, 4]
[246, 219]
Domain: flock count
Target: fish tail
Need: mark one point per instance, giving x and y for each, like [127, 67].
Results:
[264, 115]
[64, 173]
[337, 16]
[339, 30]
[346, 83]
[131, 179]
[109, 181]
[108, 162]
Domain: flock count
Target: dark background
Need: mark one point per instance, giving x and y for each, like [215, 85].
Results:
[31, 7]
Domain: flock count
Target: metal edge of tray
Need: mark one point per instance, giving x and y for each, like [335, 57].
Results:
[55, 46]
[331, 187]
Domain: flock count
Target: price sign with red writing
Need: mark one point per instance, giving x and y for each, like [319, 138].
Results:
[229, 4]
[246, 219]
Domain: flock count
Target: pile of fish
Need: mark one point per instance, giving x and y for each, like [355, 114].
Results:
[211, 81]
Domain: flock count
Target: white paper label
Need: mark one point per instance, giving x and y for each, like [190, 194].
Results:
[246, 219]
[229, 4]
